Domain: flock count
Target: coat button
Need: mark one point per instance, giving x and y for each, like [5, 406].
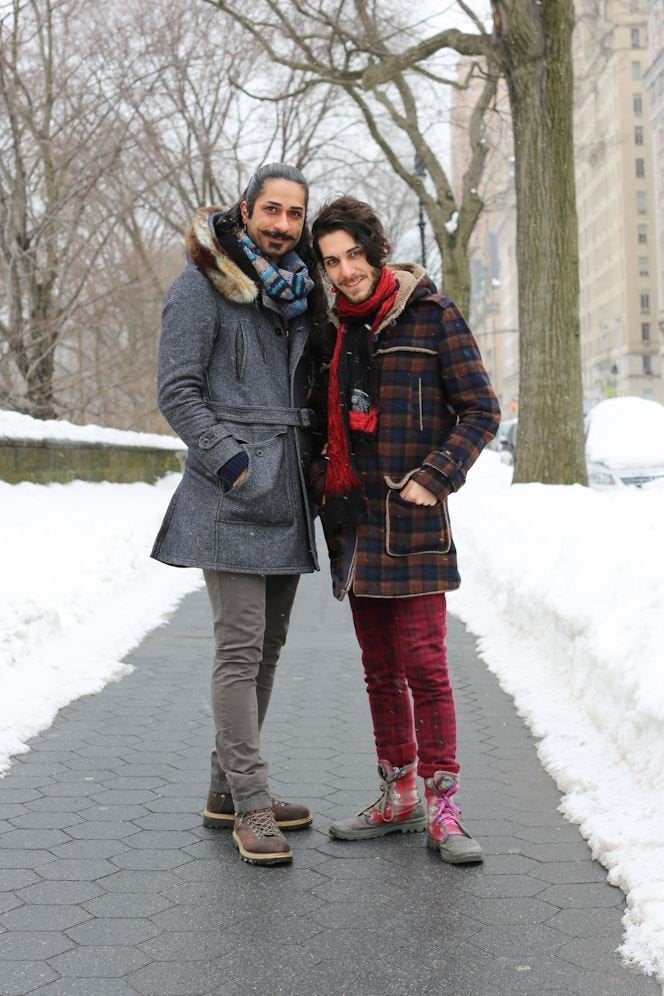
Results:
[259, 453]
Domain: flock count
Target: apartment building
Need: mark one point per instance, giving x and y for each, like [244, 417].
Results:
[654, 81]
[620, 339]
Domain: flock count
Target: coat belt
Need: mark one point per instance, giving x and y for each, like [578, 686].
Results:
[302, 417]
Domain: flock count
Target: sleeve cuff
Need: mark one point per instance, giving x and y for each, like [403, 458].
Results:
[232, 469]
[438, 484]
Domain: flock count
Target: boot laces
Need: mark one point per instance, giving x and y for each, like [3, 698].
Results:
[261, 822]
[447, 812]
[389, 794]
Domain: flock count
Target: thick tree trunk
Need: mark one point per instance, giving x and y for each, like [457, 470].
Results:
[456, 274]
[539, 74]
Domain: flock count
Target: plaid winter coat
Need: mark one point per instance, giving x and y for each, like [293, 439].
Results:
[437, 410]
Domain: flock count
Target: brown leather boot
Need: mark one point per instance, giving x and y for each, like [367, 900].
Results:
[259, 840]
[219, 813]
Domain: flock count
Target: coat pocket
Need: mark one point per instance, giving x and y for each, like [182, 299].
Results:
[415, 529]
[263, 497]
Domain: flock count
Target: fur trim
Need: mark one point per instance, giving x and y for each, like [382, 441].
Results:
[208, 257]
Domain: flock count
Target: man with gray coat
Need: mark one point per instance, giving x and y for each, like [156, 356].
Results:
[232, 382]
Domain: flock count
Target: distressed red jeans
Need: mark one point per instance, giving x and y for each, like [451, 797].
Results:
[405, 669]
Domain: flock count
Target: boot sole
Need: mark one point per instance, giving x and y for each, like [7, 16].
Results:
[414, 826]
[455, 859]
[253, 858]
[213, 821]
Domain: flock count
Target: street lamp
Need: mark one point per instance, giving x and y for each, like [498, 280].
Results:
[420, 170]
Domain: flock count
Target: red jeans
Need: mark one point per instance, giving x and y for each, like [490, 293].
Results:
[403, 653]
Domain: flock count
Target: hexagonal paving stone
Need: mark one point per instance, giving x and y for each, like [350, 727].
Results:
[44, 917]
[107, 961]
[29, 945]
[586, 896]
[525, 942]
[66, 804]
[20, 977]
[115, 930]
[502, 886]
[101, 830]
[77, 869]
[169, 979]
[127, 904]
[152, 860]
[139, 881]
[162, 839]
[27, 839]
[21, 858]
[60, 892]
[46, 820]
[604, 922]
[89, 849]
[16, 878]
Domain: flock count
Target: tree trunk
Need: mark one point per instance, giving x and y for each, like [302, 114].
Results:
[456, 274]
[538, 69]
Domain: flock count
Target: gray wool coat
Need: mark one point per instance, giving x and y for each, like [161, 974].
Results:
[232, 376]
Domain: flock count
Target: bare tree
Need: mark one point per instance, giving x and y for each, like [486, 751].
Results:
[62, 131]
[324, 42]
[105, 152]
[529, 44]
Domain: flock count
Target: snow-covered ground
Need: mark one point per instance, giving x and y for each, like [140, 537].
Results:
[77, 592]
[564, 587]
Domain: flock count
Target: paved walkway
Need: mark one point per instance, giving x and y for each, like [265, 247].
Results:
[109, 885]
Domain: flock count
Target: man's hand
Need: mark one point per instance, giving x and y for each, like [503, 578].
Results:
[240, 478]
[417, 494]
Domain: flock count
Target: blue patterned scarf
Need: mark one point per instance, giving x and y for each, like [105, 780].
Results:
[287, 284]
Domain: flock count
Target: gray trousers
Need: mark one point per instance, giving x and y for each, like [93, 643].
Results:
[251, 614]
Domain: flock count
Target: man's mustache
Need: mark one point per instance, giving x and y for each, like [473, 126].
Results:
[281, 236]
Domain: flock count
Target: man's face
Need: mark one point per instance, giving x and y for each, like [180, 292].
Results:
[347, 267]
[276, 222]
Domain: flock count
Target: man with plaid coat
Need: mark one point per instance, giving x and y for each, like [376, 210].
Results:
[407, 409]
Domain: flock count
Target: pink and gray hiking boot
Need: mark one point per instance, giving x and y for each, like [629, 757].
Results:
[398, 809]
[445, 833]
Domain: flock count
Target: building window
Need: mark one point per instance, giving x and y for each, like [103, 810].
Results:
[647, 365]
[645, 302]
[642, 235]
[636, 70]
[636, 38]
[640, 165]
[645, 331]
[638, 104]
[641, 202]
[638, 135]
[644, 269]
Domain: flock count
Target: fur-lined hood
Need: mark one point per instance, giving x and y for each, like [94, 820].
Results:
[213, 262]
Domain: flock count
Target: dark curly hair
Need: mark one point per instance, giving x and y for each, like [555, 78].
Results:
[360, 221]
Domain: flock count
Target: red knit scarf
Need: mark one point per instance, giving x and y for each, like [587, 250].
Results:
[342, 480]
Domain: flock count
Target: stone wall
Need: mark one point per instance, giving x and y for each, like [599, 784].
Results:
[43, 461]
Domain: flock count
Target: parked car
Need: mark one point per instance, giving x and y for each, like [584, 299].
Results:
[497, 441]
[624, 443]
[508, 442]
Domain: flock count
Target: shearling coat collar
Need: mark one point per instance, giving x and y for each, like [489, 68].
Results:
[208, 256]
